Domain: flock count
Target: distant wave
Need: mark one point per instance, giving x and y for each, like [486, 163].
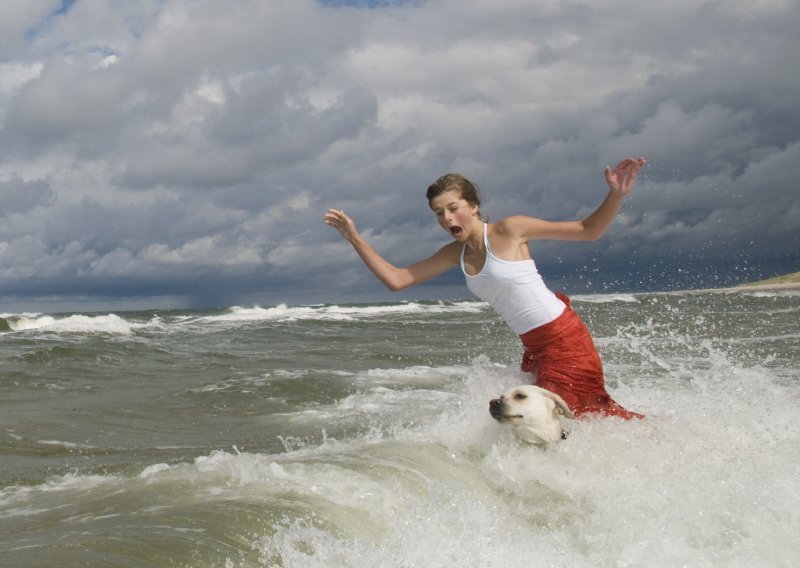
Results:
[125, 325]
[285, 313]
[110, 323]
[773, 293]
[606, 298]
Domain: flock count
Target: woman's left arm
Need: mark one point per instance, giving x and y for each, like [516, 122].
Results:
[620, 181]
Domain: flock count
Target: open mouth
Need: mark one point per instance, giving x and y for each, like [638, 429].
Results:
[508, 417]
[456, 231]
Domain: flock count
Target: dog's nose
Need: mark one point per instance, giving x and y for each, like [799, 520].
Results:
[496, 408]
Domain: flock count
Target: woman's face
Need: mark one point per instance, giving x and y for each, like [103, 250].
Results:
[454, 213]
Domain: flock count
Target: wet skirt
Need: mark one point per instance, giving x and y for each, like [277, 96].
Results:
[562, 358]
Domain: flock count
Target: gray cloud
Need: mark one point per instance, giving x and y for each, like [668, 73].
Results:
[18, 196]
[187, 149]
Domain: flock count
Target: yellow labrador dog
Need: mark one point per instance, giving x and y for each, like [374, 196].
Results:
[533, 413]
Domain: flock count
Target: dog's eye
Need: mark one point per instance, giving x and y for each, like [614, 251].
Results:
[520, 396]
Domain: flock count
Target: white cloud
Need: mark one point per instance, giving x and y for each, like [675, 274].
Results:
[15, 75]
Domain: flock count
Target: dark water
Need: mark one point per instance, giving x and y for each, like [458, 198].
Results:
[359, 436]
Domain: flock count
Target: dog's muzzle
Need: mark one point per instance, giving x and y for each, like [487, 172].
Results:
[496, 408]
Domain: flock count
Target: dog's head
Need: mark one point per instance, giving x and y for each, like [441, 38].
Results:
[532, 413]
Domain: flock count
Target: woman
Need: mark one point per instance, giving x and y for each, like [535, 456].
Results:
[496, 261]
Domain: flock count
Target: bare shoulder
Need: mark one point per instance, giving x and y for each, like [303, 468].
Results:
[451, 252]
[523, 228]
[517, 225]
[442, 260]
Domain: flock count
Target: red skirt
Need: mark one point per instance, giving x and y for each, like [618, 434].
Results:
[562, 358]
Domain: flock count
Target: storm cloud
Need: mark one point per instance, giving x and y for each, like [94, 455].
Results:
[181, 152]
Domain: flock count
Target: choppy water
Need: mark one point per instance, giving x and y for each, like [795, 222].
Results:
[322, 436]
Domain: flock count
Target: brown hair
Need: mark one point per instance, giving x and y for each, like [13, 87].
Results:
[456, 182]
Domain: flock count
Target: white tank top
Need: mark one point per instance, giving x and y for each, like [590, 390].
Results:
[515, 289]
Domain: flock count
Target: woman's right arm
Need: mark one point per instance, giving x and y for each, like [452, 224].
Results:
[393, 278]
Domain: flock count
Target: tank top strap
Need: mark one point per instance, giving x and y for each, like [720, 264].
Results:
[486, 239]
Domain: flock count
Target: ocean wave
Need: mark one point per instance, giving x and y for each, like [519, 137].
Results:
[773, 293]
[23, 494]
[110, 323]
[605, 298]
[416, 375]
[250, 384]
[399, 402]
[285, 313]
[442, 484]
[420, 491]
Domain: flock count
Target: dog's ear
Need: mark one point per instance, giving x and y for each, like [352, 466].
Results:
[561, 406]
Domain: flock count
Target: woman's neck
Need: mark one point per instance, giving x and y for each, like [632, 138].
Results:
[475, 237]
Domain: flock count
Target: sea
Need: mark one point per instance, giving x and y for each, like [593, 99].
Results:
[358, 435]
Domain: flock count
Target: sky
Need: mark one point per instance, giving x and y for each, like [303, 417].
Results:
[181, 153]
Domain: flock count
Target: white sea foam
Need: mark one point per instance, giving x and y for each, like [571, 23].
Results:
[418, 375]
[58, 443]
[22, 315]
[42, 494]
[284, 313]
[605, 298]
[110, 323]
[248, 384]
[773, 293]
[705, 481]
[710, 472]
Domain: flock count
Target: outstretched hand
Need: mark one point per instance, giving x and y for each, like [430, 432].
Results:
[620, 179]
[337, 219]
